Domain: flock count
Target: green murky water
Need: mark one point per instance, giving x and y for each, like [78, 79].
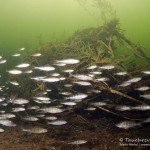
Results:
[24, 22]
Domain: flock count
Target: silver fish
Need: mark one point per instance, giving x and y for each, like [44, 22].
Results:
[146, 96]
[107, 67]
[92, 67]
[37, 130]
[7, 123]
[121, 73]
[16, 55]
[42, 98]
[78, 97]
[69, 103]
[14, 83]
[52, 110]
[50, 80]
[51, 118]
[146, 72]
[30, 118]
[143, 88]
[68, 61]
[18, 109]
[45, 68]
[1, 130]
[83, 83]
[78, 142]
[20, 101]
[83, 77]
[22, 49]
[37, 55]
[136, 79]
[15, 72]
[58, 122]
[3, 61]
[127, 124]
[23, 65]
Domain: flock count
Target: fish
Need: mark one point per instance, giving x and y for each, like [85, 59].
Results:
[103, 79]
[78, 142]
[15, 72]
[36, 55]
[18, 109]
[68, 85]
[23, 65]
[3, 61]
[45, 68]
[51, 118]
[38, 78]
[69, 71]
[125, 84]
[107, 67]
[134, 80]
[14, 83]
[16, 55]
[121, 73]
[22, 49]
[30, 118]
[60, 64]
[42, 98]
[64, 82]
[146, 96]
[68, 61]
[66, 93]
[2, 99]
[128, 124]
[1, 130]
[83, 77]
[50, 80]
[146, 120]
[8, 123]
[96, 72]
[123, 108]
[146, 72]
[77, 97]
[91, 109]
[99, 104]
[55, 75]
[83, 83]
[7, 116]
[52, 110]
[36, 130]
[92, 67]
[143, 88]
[28, 71]
[141, 107]
[69, 103]
[57, 122]
[20, 101]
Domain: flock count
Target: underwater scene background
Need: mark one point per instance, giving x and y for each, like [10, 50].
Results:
[74, 74]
